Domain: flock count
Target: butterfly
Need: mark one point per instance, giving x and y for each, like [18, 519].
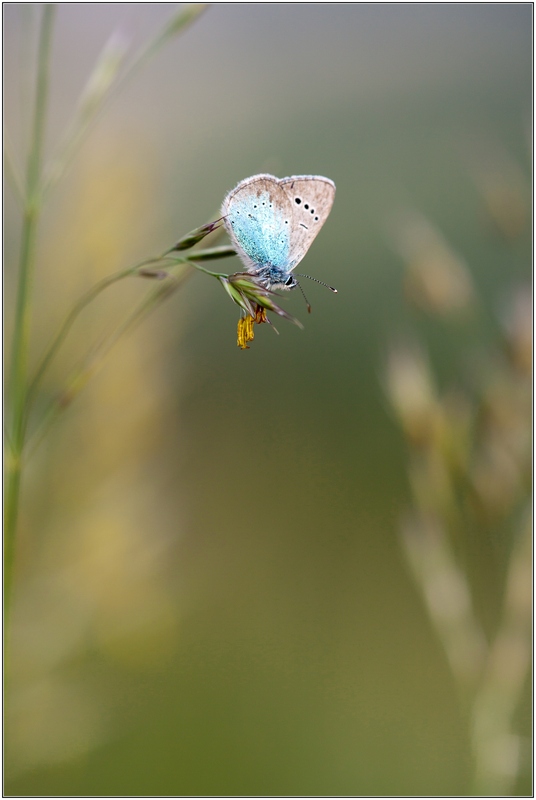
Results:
[272, 223]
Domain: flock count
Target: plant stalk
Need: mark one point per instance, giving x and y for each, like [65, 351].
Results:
[89, 366]
[21, 334]
[73, 315]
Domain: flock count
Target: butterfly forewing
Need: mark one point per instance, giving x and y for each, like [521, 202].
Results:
[311, 198]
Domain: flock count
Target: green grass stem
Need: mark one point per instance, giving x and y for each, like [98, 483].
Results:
[21, 335]
[92, 362]
[13, 174]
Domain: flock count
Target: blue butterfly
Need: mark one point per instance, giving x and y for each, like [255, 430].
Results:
[272, 223]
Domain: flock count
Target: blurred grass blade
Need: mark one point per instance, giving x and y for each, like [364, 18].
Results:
[13, 173]
[93, 95]
[104, 81]
[94, 360]
[507, 669]
[85, 300]
[73, 315]
[29, 23]
[178, 22]
[17, 391]
[146, 268]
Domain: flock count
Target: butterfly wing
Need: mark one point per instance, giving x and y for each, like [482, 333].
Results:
[258, 217]
[311, 198]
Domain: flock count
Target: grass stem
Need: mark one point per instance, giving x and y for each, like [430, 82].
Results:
[17, 387]
[71, 318]
[95, 358]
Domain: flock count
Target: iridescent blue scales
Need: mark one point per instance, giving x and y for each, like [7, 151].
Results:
[272, 223]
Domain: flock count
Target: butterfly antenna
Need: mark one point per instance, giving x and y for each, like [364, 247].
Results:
[316, 281]
[304, 297]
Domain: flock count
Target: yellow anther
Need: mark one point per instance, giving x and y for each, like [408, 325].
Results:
[245, 332]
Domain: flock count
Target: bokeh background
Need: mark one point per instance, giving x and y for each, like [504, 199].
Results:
[214, 591]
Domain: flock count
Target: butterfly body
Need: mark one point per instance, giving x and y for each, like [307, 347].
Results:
[272, 223]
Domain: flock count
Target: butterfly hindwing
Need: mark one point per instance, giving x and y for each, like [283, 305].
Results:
[311, 198]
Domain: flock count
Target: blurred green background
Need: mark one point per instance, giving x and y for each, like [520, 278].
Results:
[211, 596]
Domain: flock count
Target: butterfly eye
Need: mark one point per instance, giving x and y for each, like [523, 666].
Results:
[289, 281]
